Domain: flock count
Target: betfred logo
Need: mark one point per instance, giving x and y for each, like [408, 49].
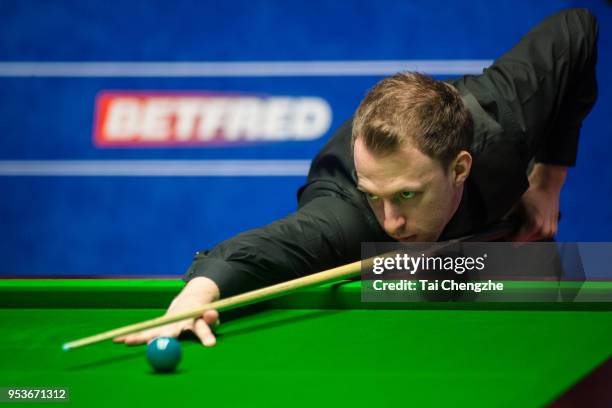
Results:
[148, 119]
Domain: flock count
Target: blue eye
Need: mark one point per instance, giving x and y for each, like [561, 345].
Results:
[406, 195]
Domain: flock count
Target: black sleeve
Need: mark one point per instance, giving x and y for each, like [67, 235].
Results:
[548, 83]
[320, 235]
[326, 231]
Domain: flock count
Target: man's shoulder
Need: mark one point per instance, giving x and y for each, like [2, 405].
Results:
[335, 160]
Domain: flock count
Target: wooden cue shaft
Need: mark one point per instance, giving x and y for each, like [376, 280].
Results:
[499, 231]
[338, 273]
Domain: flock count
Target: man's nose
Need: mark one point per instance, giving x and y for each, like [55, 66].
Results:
[394, 220]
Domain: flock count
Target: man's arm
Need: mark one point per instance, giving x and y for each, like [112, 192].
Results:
[544, 88]
[578, 32]
[324, 233]
[547, 81]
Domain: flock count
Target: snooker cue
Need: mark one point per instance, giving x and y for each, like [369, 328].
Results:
[496, 232]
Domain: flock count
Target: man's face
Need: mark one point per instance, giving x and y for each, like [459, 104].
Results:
[409, 192]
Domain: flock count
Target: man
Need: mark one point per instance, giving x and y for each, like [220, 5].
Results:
[422, 160]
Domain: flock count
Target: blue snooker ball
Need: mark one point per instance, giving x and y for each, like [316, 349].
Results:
[164, 354]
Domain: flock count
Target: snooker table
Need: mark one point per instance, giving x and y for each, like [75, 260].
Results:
[317, 347]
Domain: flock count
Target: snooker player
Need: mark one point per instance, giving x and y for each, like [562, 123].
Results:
[421, 160]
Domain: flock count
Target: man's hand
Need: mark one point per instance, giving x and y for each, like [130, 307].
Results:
[197, 293]
[540, 203]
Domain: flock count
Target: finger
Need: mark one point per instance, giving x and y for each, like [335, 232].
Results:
[544, 231]
[211, 317]
[538, 230]
[551, 229]
[554, 229]
[548, 233]
[172, 330]
[206, 336]
[143, 337]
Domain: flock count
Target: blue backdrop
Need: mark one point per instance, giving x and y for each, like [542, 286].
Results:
[125, 225]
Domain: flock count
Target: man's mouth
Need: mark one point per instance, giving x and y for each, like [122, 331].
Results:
[408, 238]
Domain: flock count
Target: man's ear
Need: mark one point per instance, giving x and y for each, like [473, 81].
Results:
[461, 166]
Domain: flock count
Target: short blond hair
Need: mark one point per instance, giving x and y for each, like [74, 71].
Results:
[414, 107]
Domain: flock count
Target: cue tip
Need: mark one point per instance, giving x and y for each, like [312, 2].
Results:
[65, 347]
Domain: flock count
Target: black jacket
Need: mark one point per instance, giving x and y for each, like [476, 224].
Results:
[528, 105]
